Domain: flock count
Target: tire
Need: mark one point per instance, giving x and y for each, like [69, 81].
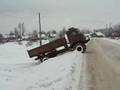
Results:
[79, 48]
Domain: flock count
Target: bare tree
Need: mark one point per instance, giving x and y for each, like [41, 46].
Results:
[11, 33]
[49, 34]
[116, 30]
[33, 36]
[21, 30]
[16, 32]
[62, 32]
[54, 32]
[1, 38]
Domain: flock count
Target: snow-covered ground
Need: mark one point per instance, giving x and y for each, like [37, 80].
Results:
[19, 72]
[113, 40]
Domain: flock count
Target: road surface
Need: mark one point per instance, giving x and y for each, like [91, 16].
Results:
[101, 67]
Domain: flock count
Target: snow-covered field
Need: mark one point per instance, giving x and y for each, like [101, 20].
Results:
[19, 72]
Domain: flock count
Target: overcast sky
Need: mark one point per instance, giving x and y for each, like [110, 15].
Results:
[56, 14]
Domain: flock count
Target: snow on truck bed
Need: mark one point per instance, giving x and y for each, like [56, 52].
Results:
[19, 72]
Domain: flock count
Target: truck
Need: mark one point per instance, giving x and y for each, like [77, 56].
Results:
[73, 39]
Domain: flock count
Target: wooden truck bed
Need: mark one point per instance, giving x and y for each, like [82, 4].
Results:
[47, 47]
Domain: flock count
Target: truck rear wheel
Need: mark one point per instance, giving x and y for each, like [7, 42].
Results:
[79, 48]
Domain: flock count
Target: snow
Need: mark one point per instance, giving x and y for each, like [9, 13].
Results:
[19, 72]
[112, 40]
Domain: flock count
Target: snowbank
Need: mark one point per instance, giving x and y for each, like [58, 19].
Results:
[112, 40]
[18, 72]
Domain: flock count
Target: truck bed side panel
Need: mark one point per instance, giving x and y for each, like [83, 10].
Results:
[47, 47]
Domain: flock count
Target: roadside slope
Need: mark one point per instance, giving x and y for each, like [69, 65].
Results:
[19, 72]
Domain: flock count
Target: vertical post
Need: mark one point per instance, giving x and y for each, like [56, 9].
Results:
[40, 30]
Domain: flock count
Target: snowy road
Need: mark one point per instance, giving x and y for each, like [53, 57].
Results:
[102, 65]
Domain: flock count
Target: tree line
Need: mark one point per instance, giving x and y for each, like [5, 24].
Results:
[19, 33]
[111, 31]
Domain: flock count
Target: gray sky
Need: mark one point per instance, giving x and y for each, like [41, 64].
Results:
[56, 14]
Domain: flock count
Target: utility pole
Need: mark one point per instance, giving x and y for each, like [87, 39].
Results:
[40, 30]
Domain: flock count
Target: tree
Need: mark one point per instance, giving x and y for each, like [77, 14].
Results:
[21, 30]
[62, 32]
[16, 32]
[54, 32]
[1, 37]
[11, 33]
[35, 34]
[49, 34]
[116, 30]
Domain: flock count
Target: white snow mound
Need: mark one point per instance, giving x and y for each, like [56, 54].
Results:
[19, 72]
